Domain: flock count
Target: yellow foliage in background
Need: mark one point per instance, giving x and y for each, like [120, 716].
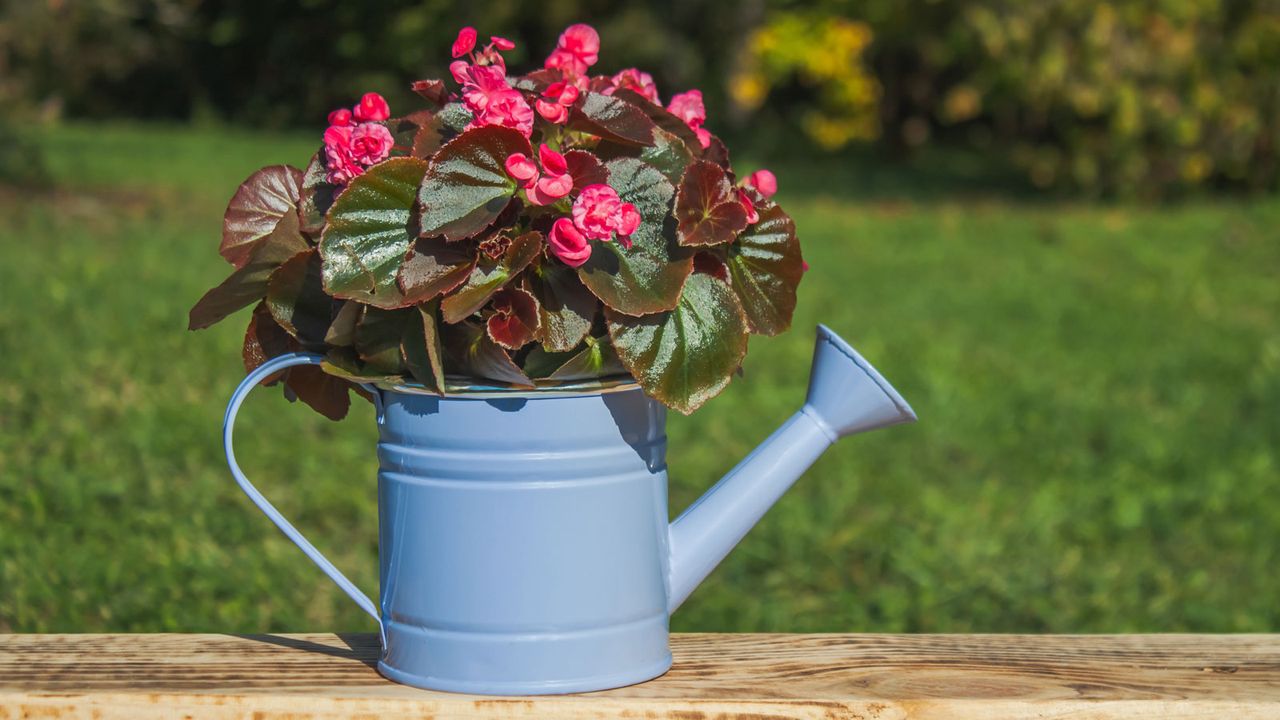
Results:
[824, 54]
[1125, 96]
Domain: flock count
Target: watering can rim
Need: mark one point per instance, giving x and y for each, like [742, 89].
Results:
[461, 387]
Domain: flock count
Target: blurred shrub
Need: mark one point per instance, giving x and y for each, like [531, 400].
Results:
[289, 63]
[1129, 97]
[1133, 97]
[823, 53]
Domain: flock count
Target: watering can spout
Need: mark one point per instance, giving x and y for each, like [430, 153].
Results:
[846, 396]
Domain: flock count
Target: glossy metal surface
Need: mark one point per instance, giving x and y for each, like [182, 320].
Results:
[524, 543]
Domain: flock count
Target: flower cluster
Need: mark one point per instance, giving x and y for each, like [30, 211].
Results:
[598, 213]
[357, 138]
[485, 91]
[525, 230]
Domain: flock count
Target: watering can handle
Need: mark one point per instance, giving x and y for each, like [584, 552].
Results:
[228, 425]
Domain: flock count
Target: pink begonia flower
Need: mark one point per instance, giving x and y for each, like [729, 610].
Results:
[577, 49]
[688, 107]
[595, 211]
[637, 80]
[628, 223]
[556, 100]
[372, 108]
[490, 99]
[480, 84]
[461, 71]
[339, 159]
[521, 167]
[465, 43]
[502, 43]
[371, 143]
[556, 182]
[749, 205]
[764, 182]
[340, 117]
[508, 109]
[599, 213]
[568, 244]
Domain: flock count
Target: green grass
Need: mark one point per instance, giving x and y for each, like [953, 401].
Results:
[1098, 389]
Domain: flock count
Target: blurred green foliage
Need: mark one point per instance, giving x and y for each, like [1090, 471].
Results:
[1132, 97]
[1129, 97]
[1098, 448]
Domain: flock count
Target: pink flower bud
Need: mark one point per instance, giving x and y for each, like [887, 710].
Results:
[551, 188]
[460, 70]
[552, 112]
[465, 43]
[520, 167]
[568, 244]
[372, 108]
[553, 163]
[501, 43]
[764, 182]
[556, 182]
[340, 117]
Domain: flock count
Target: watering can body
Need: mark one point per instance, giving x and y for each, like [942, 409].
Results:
[524, 543]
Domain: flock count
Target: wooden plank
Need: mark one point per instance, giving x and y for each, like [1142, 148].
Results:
[880, 677]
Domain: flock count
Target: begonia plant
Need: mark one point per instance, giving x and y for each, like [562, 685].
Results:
[520, 231]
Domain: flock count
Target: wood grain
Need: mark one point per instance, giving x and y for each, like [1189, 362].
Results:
[880, 677]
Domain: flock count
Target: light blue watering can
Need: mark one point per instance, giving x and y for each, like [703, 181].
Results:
[524, 541]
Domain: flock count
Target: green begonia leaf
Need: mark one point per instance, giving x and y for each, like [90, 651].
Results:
[467, 186]
[434, 267]
[765, 268]
[707, 207]
[646, 277]
[685, 356]
[254, 211]
[488, 276]
[297, 300]
[423, 353]
[566, 307]
[611, 118]
[472, 353]
[248, 284]
[663, 118]
[378, 337]
[598, 359]
[342, 331]
[317, 195]
[668, 153]
[265, 339]
[368, 232]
